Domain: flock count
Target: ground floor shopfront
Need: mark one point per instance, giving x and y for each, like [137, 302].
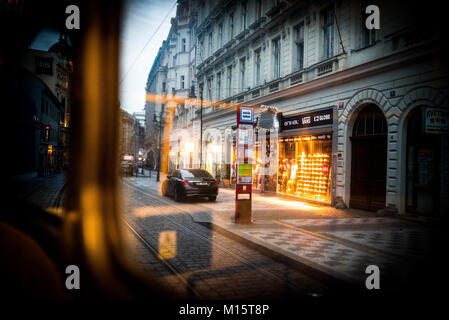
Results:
[383, 146]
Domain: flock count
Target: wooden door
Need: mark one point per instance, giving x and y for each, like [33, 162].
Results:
[368, 172]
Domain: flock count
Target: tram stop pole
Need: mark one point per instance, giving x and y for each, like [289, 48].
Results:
[243, 188]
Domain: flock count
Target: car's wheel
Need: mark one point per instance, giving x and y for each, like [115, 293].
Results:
[177, 195]
[212, 198]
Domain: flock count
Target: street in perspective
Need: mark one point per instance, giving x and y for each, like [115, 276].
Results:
[232, 150]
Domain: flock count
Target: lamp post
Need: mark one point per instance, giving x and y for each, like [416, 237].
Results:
[201, 127]
[161, 117]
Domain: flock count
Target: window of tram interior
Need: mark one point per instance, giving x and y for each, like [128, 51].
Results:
[304, 167]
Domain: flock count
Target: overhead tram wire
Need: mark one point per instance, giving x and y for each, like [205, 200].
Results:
[146, 44]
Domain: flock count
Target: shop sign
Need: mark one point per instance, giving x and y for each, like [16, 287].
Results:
[44, 65]
[436, 120]
[306, 120]
[10, 6]
[267, 117]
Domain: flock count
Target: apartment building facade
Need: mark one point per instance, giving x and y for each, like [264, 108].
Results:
[357, 117]
[171, 76]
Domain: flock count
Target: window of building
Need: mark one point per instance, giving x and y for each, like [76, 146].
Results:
[258, 9]
[277, 58]
[164, 89]
[370, 122]
[367, 37]
[257, 68]
[299, 47]
[220, 35]
[182, 82]
[218, 86]
[209, 50]
[202, 49]
[327, 27]
[174, 61]
[244, 6]
[183, 45]
[231, 26]
[242, 74]
[209, 89]
[229, 81]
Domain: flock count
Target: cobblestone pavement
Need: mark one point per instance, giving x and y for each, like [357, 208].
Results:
[213, 265]
[339, 243]
[43, 192]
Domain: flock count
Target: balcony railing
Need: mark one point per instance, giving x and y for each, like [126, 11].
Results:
[296, 78]
[274, 87]
[308, 74]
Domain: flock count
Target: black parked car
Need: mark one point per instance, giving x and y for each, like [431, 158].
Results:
[190, 183]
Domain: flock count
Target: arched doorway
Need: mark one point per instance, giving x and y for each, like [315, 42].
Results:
[369, 159]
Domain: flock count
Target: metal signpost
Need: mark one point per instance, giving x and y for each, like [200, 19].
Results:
[245, 141]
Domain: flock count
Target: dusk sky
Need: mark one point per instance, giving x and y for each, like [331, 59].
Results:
[140, 23]
[142, 18]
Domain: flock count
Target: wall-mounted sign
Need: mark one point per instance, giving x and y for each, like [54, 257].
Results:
[306, 120]
[436, 120]
[11, 6]
[44, 65]
[47, 133]
[266, 119]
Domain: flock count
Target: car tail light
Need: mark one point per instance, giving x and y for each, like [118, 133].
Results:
[216, 183]
[184, 183]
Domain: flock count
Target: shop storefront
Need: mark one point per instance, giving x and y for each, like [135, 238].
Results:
[305, 167]
[305, 156]
[426, 143]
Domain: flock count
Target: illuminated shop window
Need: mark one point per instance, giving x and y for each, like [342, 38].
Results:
[305, 167]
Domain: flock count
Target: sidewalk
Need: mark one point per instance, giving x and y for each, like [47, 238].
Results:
[44, 192]
[329, 242]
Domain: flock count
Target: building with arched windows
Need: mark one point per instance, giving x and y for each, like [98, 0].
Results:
[360, 116]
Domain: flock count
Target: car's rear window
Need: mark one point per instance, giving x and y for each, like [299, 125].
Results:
[195, 173]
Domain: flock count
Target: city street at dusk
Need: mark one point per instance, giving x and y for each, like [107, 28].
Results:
[225, 159]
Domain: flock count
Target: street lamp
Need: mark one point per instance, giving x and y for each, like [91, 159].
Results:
[201, 127]
[160, 124]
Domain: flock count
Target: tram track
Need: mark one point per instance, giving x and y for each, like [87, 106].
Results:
[174, 270]
[212, 244]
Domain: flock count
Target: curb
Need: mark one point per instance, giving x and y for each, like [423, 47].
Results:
[332, 281]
